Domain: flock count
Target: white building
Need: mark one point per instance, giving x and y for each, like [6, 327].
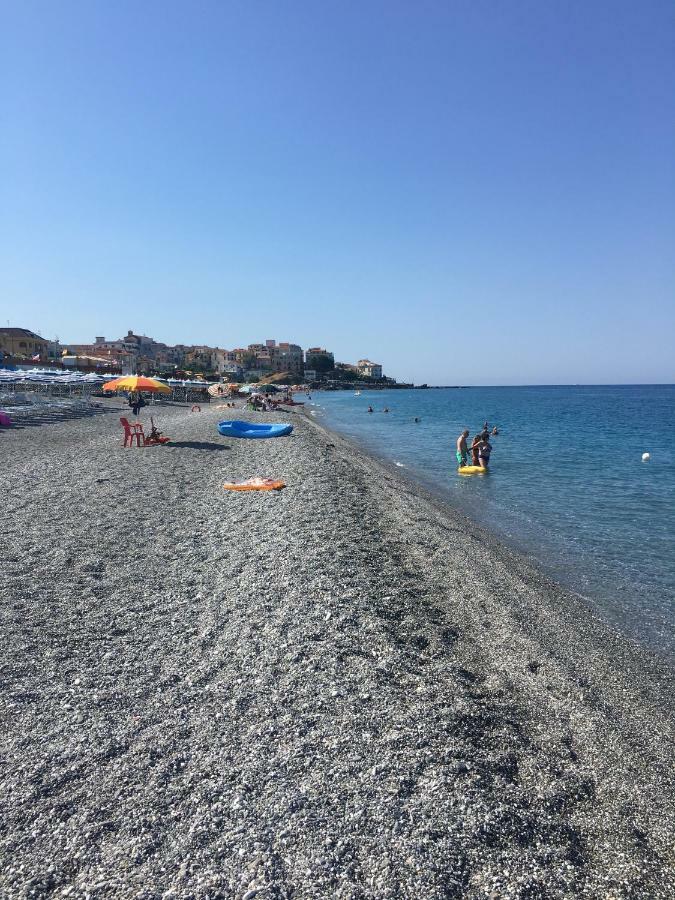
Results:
[369, 369]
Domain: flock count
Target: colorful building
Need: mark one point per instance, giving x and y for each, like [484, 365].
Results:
[21, 343]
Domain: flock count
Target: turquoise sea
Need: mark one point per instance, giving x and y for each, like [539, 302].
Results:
[567, 485]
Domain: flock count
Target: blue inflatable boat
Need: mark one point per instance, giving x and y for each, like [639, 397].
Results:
[253, 430]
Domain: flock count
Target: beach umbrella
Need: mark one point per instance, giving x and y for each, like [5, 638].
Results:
[268, 389]
[135, 383]
[218, 390]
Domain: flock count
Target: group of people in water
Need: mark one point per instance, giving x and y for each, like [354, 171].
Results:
[480, 448]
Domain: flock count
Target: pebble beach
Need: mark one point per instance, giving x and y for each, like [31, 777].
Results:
[343, 689]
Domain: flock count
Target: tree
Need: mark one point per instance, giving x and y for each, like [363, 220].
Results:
[320, 362]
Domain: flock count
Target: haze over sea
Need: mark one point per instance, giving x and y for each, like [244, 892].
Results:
[567, 485]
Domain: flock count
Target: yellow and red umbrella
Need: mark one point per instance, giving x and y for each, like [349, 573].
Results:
[137, 383]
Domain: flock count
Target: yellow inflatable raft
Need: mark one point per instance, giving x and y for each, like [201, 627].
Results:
[471, 470]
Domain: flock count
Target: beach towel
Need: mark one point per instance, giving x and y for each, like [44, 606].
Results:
[256, 484]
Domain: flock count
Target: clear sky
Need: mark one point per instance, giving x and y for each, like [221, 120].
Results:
[466, 191]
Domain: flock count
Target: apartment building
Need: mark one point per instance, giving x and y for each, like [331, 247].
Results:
[319, 359]
[23, 344]
[369, 369]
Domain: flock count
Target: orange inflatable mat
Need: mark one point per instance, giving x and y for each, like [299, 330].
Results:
[256, 484]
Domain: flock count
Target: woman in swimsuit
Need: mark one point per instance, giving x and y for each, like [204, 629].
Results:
[477, 441]
[484, 450]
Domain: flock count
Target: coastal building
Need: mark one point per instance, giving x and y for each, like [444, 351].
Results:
[287, 358]
[141, 354]
[368, 369]
[270, 357]
[319, 359]
[208, 359]
[87, 363]
[150, 350]
[22, 343]
[233, 372]
[116, 358]
[146, 352]
[239, 357]
[54, 349]
[102, 344]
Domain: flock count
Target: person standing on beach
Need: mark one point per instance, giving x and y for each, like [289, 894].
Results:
[462, 449]
[136, 401]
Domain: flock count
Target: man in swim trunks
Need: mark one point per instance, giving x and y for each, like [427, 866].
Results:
[462, 449]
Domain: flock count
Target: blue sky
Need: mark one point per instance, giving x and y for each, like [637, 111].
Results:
[468, 192]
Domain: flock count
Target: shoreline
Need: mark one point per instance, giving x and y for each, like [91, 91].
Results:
[576, 607]
[652, 635]
[318, 693]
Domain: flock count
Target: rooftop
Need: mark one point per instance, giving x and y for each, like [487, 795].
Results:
[20, 332]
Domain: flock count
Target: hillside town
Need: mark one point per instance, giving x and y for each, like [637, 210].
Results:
[138, 354]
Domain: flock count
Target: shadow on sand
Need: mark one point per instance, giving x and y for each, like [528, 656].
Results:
[34, 418]
[197, 445]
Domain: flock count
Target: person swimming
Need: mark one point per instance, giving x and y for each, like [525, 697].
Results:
[370, 409]
[495, 431]
[386, 409]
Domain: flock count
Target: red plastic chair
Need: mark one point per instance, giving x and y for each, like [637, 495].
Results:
[132, 433]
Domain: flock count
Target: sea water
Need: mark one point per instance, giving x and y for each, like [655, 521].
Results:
[567, 485]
